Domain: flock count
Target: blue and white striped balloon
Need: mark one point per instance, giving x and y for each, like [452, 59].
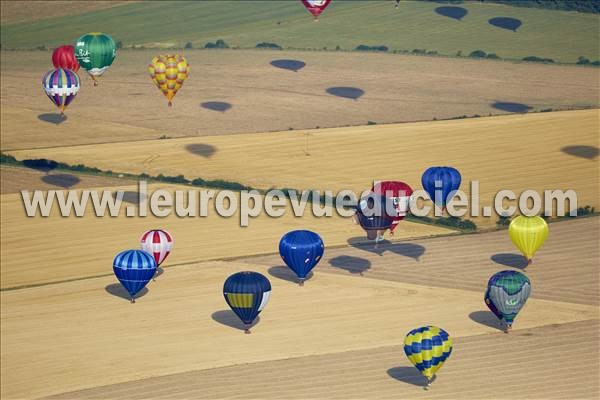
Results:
[134, 269]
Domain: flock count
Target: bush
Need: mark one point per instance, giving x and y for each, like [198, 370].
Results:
[419, 51]
[538, 59]
[595, 63]
[41, 163]
[371, 123]
[119, 44]
[587, 210]
[188, 45]
[364, 47]
[266, 45]
[493, 56]
[582, 61]
[219, 44]
[42, 48]
[432, 53]
[503, 221]
[338, 48]
[7, 159]
[478, 54]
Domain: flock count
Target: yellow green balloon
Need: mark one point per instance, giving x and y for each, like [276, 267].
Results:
[528, 234]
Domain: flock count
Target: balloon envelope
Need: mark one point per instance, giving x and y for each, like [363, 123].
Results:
[168, 73]
[247, 293]
[528, 234]
[444, 180]
[375, 212]
[428, 348]
[64, 57]
[61, 86]
[134, 269]
[95, 52]
[506, 294]
[157, 243]
[399, 193]
[301, 251]
[316, 7]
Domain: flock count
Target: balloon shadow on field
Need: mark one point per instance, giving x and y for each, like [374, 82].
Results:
[354, 265]
[228, 318]
[290, 65]
[589, 152]
[511, 24]
[201, 149]
[456, 13]
[510, 260]
[409, 375]
[61, 180]
[130, 197]
[116, 289]
[511, 107]
[486, 318]
[346, 92]
[406, 249]
[220, 106]
[52, 118]
[286, 274]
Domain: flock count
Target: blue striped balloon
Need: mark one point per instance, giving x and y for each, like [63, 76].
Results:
[444, 180]
[375, 212]
[61, 87]
[134, 269]
[428, 348]
[301, 251]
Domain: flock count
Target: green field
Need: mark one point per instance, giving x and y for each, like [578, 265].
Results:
[560, 35]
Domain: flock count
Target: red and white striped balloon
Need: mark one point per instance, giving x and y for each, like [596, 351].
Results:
[158, 243]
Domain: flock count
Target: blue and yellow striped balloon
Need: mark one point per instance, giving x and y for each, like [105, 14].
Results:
[61, 87]
[247, 293]
[428, 348]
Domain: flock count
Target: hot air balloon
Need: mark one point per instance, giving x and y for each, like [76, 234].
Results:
[61, 87]
[399, 193]
[441, 183]
[375, 214]
[247, 293]
[134, 269]
[506, 294]
[528, 234]
[95, 52]
[168, 73]
[158, 243]
[301, 251]
[64, 57]
[316, 7]
[428, 348]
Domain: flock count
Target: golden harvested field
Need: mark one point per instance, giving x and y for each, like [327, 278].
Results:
[397, 88]
[40, 250]
[20, 11]
[485, 370]
[341, 331]
[517, 152]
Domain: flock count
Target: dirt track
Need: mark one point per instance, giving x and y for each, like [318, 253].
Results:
[536, 363]
[126, 106]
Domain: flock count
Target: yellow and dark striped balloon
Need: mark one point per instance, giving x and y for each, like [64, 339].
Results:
[168, 73]
[428, 348]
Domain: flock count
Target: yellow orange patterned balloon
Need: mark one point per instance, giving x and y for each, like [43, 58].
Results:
[168, 73]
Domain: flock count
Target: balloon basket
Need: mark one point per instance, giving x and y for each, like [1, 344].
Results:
[247, 331]
[529, 261]
[301, 283]
[132, 300]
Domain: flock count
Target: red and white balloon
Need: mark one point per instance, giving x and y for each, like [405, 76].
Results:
[158, 243]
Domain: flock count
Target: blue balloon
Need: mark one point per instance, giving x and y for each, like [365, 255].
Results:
[247, 293]
[134, 269]
[301, 251]
[448, 181]
[373, 213]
